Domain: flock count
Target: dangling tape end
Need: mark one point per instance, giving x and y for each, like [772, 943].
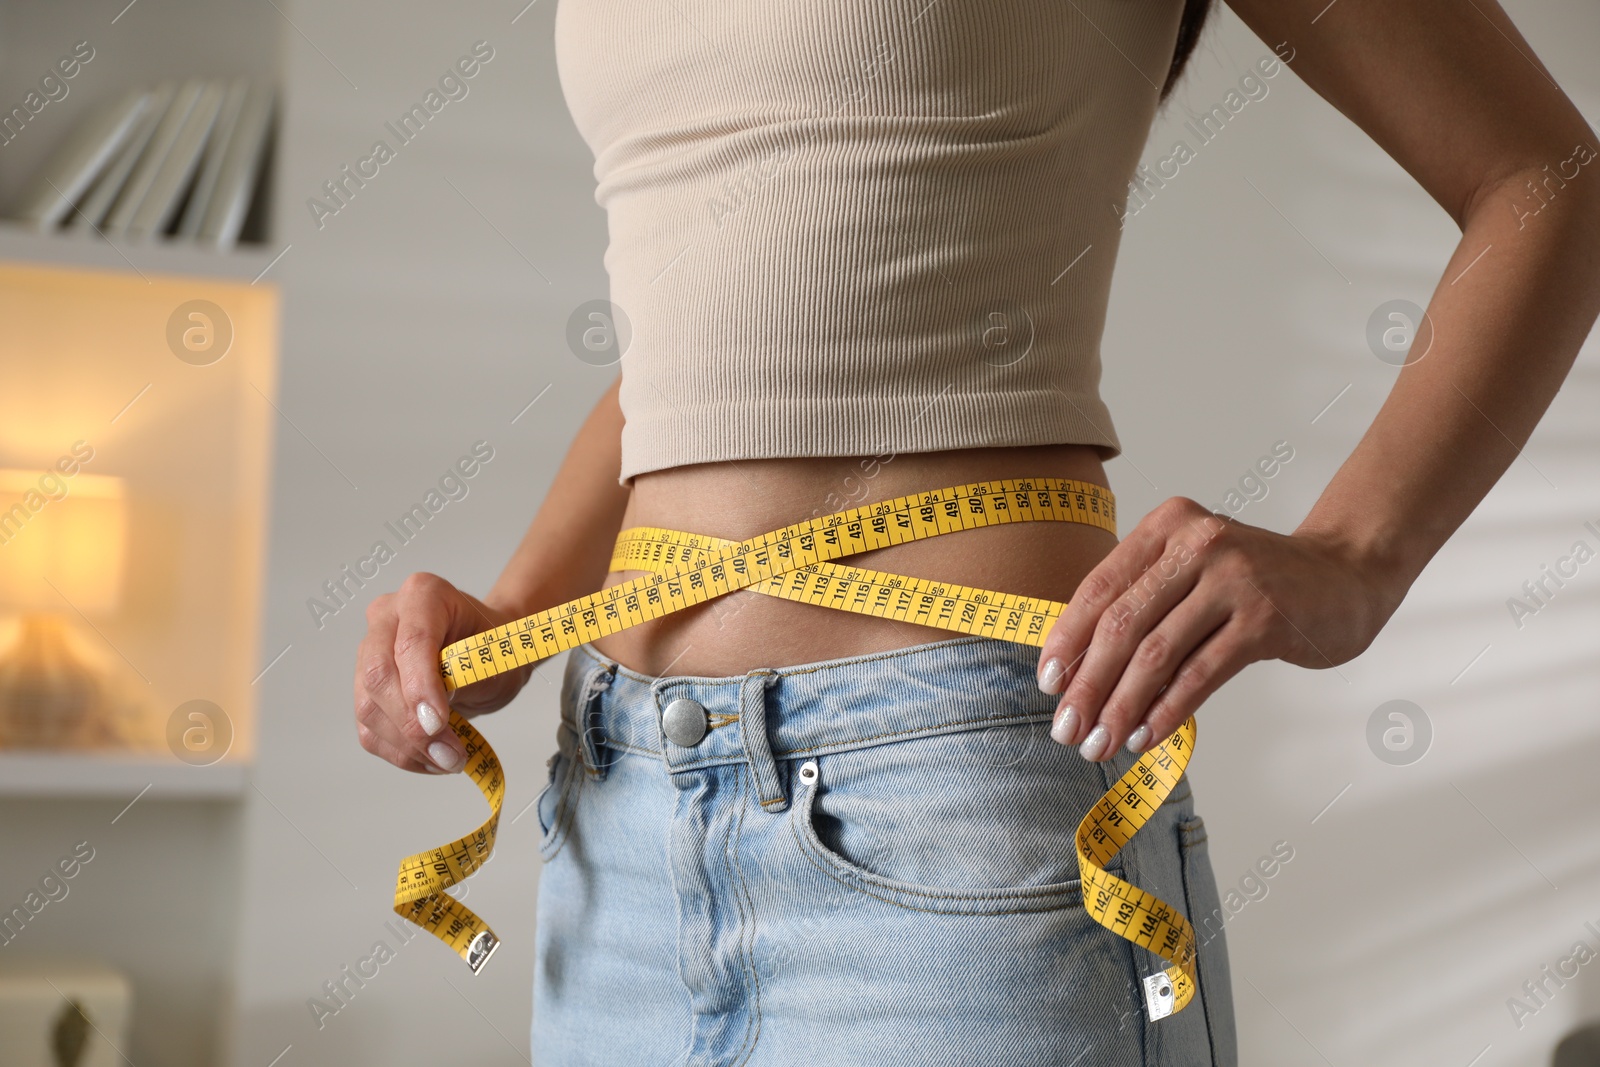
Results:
[481, 949]
[1158, 995]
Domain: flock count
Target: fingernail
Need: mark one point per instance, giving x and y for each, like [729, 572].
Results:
[1093, 746]
[445, 756]
[431, 723]
[1066, 725]
[1050, 675]
[1137, 739]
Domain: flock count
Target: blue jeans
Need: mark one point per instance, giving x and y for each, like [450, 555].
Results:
[859, 861]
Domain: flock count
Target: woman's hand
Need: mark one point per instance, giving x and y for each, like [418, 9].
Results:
[402, 710]
[1184, 603]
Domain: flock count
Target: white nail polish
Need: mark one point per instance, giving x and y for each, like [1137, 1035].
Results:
[1095, 743]
[1050, 676]
[444, 756]
[431, 723]
[1137, 739]
[1066, 725]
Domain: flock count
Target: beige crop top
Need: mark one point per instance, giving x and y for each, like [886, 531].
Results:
[859, 227]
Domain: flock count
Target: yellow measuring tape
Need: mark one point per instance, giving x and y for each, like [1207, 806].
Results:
[794, 563]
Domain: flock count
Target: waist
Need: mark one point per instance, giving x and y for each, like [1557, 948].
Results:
[822, 702]
[746, 630]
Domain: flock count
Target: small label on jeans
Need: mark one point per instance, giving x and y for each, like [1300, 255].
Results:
[1158, 995]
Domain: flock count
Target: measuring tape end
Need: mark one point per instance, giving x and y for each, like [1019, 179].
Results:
[481, 949]
[1158, 995]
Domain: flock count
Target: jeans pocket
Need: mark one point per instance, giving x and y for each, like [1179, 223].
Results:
[560, 793]
[1204, 910]
[972, 822]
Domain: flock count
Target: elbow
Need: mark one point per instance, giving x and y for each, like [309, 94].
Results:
[1571, 181]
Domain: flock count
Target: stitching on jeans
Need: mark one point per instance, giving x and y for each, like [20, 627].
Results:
[756, 741]
[587, 712]
[611, 742]
[1147, 1041]
[680, 680]
[930, 731]
[1062, 889]
[655, 753]
[1067, 905]
[747, 955]
[558, 835]
[1186, 832]
[1184, 848]
[802, 811]
[1012, 721]
[845, 745]
[1150, 1037]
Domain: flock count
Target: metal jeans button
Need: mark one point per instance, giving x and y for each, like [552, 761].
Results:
[684, 722]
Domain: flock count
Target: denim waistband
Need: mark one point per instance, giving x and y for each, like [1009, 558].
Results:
[778, 713]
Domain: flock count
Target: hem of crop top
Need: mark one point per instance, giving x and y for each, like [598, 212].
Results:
[678, 434]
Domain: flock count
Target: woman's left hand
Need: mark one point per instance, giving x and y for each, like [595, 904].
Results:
[1184, 603]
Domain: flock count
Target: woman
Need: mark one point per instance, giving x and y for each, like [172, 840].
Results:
[865, 252]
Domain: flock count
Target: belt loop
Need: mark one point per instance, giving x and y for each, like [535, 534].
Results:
[757, 748]
[595, 682]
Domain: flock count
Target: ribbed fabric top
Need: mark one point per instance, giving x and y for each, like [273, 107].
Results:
[851, 228]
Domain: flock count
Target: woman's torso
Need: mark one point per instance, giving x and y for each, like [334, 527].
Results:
[845, 228]
[744, 630]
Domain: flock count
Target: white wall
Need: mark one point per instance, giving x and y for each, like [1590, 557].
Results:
[414, 325]
[1415, 906]
[155, 902]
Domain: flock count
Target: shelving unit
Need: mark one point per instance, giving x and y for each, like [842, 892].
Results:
[175, 819]
[116, 774]
[145, 43]
[245, 263]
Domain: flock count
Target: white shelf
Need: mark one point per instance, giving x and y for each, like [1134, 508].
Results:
[169, 257]
[151, 42]
[116, 774]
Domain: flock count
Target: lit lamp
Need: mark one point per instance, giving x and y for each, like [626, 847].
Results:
[61, 554]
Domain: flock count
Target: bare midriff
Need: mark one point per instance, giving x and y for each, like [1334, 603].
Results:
[743, 630]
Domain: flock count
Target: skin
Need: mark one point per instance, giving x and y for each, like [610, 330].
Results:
[1187, 599]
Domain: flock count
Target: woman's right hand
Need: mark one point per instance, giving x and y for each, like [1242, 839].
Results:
[402, 710]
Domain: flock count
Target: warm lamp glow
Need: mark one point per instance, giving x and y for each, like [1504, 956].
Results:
[61, 548]
[61, 542]
[96, 378]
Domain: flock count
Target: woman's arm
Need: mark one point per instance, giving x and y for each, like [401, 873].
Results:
[401, 706]
[1456, 96]
[1505, 333]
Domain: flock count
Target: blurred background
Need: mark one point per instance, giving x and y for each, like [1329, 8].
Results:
[255, 347]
